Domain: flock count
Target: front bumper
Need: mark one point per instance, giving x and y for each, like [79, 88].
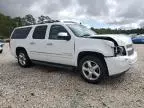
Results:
[120, 64]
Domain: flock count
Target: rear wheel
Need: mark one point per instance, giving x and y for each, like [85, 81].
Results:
[23, 59]
[92, 69]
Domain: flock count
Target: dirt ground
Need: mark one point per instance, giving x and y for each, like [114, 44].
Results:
[47, 87]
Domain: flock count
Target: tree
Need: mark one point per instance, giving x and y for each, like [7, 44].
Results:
[7, 24]
[28, 20]
[18, 21]
[42, 19]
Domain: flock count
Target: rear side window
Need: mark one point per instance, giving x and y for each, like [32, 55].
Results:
[21, 33]
[39, 32]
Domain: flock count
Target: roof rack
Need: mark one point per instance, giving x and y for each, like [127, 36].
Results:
[50, 21]
[69, 22]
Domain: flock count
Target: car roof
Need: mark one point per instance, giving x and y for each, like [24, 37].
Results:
[38, 25]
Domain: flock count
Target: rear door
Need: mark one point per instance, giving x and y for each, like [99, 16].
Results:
[37, 44]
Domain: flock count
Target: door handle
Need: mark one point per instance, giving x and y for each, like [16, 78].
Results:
[32, 43]
[49, 44]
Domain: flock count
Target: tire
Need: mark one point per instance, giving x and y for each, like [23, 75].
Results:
[92, 69]
[1, 51]
[23, 59]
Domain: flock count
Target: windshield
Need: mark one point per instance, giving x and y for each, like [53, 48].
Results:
[80, 30]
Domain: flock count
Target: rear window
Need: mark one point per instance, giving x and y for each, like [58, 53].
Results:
[21, 33]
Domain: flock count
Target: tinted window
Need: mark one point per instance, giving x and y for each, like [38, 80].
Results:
[39, 32]
[21, 33]
[55, 29]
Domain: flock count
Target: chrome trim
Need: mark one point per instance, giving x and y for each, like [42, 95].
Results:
[68, 54]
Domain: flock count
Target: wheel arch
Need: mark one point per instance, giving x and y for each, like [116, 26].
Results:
[91, 53]
[19, 49]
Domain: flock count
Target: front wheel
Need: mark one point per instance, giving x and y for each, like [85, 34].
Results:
[92, 69]
[23, 59]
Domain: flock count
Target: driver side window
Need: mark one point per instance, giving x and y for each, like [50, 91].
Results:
[55, 30]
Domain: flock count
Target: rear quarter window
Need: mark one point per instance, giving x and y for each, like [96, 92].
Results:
[21, 33]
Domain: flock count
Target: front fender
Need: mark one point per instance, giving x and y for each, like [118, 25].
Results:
[86, 50]
[93, 45]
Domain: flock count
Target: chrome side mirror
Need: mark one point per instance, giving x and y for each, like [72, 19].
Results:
[64, 36]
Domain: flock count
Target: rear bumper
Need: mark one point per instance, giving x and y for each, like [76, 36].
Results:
[120, 64]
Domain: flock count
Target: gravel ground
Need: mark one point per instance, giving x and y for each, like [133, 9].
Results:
[45, 87]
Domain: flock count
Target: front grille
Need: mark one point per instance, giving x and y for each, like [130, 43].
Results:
[130, 52]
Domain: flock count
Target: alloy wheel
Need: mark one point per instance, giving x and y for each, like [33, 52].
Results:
[91, 70]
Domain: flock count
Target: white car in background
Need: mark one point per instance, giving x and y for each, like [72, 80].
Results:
[1, 46]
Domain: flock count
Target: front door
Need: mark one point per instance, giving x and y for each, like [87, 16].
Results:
[59, 50]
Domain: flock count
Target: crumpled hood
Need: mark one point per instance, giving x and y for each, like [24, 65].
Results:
[120, 39]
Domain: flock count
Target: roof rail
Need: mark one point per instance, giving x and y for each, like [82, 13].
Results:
[50, 21]
[71, 22]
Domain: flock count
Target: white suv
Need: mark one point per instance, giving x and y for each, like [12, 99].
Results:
[72, 44]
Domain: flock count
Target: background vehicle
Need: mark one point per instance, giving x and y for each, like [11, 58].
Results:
[1, 46]
[138, 39]
[72, 44]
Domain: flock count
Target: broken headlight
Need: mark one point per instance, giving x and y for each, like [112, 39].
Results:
[120, 50]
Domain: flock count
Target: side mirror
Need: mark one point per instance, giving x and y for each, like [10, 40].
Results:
[64, 36]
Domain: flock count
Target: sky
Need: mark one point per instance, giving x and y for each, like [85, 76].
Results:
[121, 14]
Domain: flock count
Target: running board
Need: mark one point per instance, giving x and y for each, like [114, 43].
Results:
[52, 64]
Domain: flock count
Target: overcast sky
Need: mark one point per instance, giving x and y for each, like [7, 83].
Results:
[98, 13]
